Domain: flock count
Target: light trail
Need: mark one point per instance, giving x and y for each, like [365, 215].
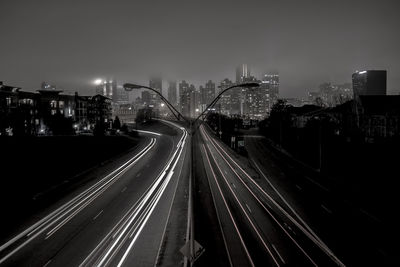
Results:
[229, 211]
[132, 223]
[315, 240]
[267, 248]
[72, 207]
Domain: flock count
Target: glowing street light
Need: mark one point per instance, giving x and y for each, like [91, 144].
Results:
[98, 81]
[192, 123]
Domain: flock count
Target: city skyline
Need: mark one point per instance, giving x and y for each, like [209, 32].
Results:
[71, 44]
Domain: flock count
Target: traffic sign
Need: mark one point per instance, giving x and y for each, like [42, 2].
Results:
[198, 250]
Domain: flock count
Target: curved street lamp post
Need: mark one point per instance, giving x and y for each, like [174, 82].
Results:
[129, 87]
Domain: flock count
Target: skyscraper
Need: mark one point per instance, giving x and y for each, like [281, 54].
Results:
[146, 98]
[184, 98]
[194, 101]
[225, 103]
[369, 82]
[242, 72]
[156, 83]
[172, 95]
[207, 94]
[270, 90]
[106, 87]
[254, 100]
[119, 95]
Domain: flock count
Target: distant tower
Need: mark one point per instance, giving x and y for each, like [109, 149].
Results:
[172, 95]
[194, 106]
[105, 88]
[207, 94]
[120, 96]
[369, 82]
[242, 72]
[184, 98]
[227, 102]
[156, 83]
[270, 90]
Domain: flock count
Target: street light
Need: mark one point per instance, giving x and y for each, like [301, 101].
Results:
[211, 105]
[130, 87]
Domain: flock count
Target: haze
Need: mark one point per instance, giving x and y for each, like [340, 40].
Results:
[71, 43]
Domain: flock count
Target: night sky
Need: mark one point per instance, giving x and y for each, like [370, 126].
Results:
[71, 43]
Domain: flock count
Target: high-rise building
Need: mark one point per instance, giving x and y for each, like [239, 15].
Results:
[226, 101]
[207, 94]
[269, 90]
[273, 80]
[106, 88]
[195, 100]
[184, 98]
[147, 98]
[156, 83]
[110, 89]
[119, 96]
[254, 100]
[172, 96]
[242, 71]
[369, 82]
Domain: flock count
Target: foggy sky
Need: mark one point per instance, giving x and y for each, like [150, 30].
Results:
[71, 43]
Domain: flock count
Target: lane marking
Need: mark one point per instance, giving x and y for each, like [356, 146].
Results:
[34, 230]
[326, 209]
[247, 216]
[260, 202]
[123, 189]
[98, 214]
[172, 202]
[127, 227]
[279, 255]
[229, 211]
[156, 200]
[298, 187]
[312, 236]
[316, 183]
[310, 230]
[248, 207]
[218, 216]
[148, 132]
[138, 175]
[47, 263]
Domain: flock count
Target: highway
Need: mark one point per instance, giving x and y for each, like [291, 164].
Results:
[258, 225]
[357, 236]
[136, 215]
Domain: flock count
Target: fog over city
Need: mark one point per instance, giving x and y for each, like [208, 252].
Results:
[199, 133]
[71, 43]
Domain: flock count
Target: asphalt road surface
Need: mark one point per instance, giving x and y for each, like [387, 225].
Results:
[258, 226]
[133, 216]
[358, 237]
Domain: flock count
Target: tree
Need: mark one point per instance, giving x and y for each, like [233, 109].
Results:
[116, 123]
[278, 122]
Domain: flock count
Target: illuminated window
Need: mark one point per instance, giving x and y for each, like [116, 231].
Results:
[53, 103]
